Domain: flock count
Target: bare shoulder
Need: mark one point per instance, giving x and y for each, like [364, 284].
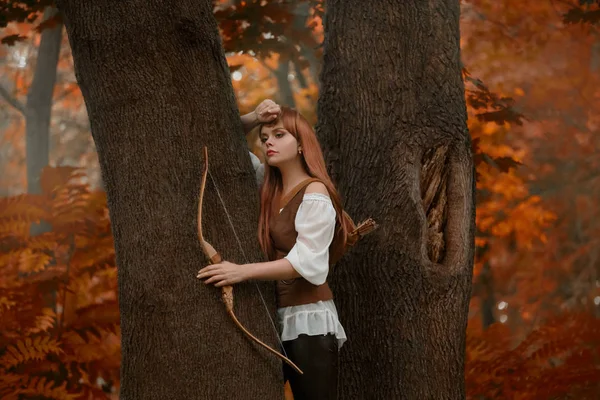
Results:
[317, 187]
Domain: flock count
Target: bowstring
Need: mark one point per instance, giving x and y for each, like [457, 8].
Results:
[246, 261]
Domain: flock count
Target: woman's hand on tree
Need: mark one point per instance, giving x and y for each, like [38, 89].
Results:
[267, 111]
[224, 273]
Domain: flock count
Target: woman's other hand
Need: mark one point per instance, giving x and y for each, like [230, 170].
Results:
[267, 111]
[224, 273]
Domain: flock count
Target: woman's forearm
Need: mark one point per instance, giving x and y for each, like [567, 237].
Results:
[271, 270]
[249, 121]
[266, 111]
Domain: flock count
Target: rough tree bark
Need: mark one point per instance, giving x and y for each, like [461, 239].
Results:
[157, 89]
[392, 118]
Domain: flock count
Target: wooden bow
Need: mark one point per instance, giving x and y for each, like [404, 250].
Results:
[215, 258]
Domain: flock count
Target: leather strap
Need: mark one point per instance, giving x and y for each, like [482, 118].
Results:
[286, 199]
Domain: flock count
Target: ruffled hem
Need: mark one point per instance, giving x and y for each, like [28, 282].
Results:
[313, 319]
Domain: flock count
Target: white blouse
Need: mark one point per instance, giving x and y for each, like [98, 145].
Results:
[315, 224]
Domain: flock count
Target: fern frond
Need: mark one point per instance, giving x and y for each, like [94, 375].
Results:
[39, 386]
[33, 261]
[26, 260]
[19, 212]
[28, 302]
[79, 373]
[558, 360]
[48, 241]
[71, 205]
[93, 346]
[14, 227]
[43, 322]
[550, 349]
[49, 273]
[100, 251]
[72, 339]
[536, 338]
[492, 343]
[12, 257]
[9, 395]
[6, 303]
[106, 313]
[9, 381]
[25, 207]
[53, 178]
[28, 350]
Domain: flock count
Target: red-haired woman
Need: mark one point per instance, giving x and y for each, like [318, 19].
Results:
[298, 215]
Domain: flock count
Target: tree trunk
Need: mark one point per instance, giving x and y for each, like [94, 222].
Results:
[39, 103]
[38, 108]
[157, 89]
[301, 12]
[486, 293]
[38, 111]
[392, 118]
[286, 94]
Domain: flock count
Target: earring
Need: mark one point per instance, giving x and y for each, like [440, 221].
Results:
[299, 151]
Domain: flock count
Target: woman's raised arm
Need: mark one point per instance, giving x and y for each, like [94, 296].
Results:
[266, 111]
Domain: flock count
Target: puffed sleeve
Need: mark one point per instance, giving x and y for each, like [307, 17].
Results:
[315, 224]
[259, 168]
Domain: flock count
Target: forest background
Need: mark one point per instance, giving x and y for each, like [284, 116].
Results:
[531, 72]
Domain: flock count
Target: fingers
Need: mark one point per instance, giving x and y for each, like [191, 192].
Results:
[214, 273]
[216, 278]
[270, 117]
[267, 110]
[270, 110]
[221, 274]
[210, 274]
[211, 271]
[219, 281]
[206, 271]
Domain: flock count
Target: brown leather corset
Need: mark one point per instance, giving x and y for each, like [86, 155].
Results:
[283, 233]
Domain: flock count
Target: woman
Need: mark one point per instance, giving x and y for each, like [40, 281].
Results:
[300, 209]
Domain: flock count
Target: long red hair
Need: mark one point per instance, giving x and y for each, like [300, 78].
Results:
[314, 164]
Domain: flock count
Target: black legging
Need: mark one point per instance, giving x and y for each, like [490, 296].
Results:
[317, 357]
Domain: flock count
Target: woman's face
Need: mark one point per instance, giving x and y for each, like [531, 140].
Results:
[278, 145]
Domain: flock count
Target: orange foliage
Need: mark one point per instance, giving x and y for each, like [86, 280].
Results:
[557, 360]
[534, 125]
[536, 222]
[58, 304]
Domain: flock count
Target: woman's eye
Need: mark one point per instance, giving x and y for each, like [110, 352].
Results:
[278, 135]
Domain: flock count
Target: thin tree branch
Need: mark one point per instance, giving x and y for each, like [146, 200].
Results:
[10, 99]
